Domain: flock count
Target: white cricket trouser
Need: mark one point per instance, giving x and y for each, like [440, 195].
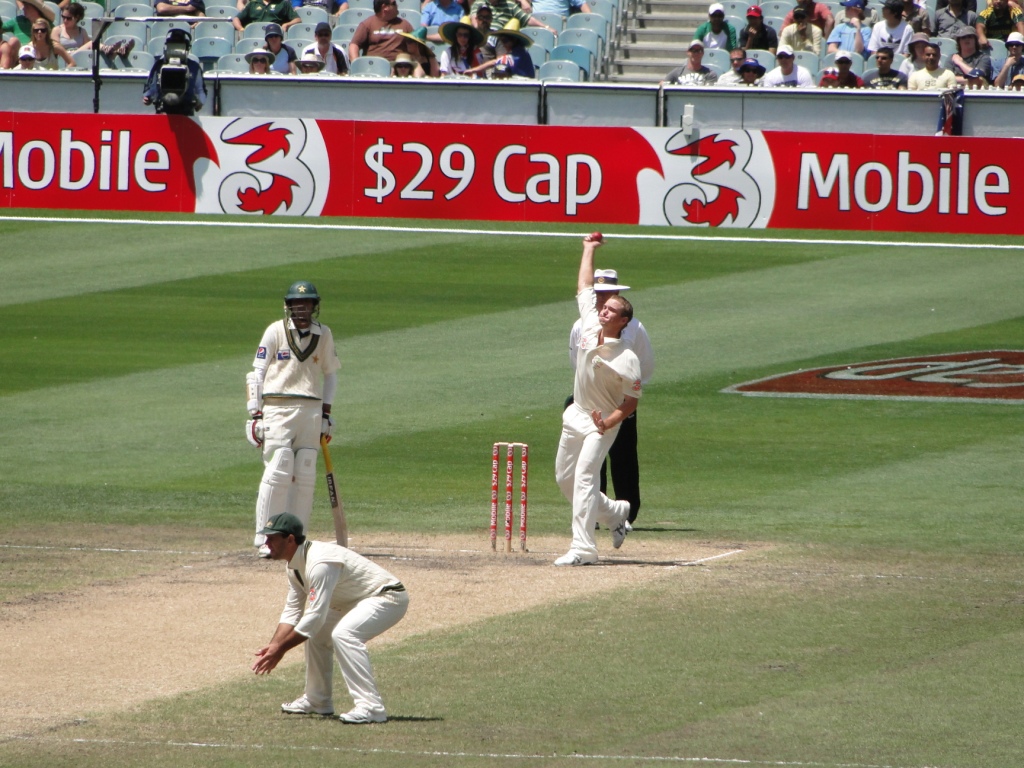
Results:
[581, 452]
[345, 635]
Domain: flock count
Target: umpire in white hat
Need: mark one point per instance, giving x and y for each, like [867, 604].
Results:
[337, 602]
[623, 453]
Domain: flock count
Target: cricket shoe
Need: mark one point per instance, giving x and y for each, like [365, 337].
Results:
[619, 533]
[302, 706]
[571, 558]
[362, 717]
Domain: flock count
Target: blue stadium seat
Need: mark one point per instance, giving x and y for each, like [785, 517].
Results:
[247, 44]
[232, 62]
[574, 53]
[413, 16]
[540, 36]
[343, 33]
[765, 58]
[808, 59]
[158, 30]
[554, 20]
[255, 30]
[137, 60]
[354, 15]
[126, 10]
[210, 50]
[539, 54]
[300, 31]
[718, 58]
[565, 71]
[221, 11]
[221, 28]
[122, 29]
[310, 14]
[370, 66]
[587, 38]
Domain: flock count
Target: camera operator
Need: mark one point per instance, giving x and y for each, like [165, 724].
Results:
[175, 84]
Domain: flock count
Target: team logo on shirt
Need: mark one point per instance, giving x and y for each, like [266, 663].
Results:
[723, 179]
[261, 353]
[312, 594]
[284, 354]
[636, 385]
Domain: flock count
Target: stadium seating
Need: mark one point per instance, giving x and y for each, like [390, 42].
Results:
[354, 15]
[765, 58]
[413, 16]
[247, 44]
[119, 30]
[576, 54]
[343, 33]
[210, 50]
[370, 66]
[554, 20]
[587, 38]
[126, 10]
[540, 36]
[223, 29]
[137, 60]
[592, 21]
[92, 10]
[301, 30]
[232, 62]
[83, 59]
[565, 71]
[310, 14]
[718, 58]
[221, 11]
[8, 10]
[255, 30]
[807, 59]
[158, 30]
[777, 8]
[539, 54]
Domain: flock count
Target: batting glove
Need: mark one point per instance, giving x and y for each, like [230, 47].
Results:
[254, 430]
[326, 427]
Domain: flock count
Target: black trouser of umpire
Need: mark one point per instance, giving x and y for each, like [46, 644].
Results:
[625, 465]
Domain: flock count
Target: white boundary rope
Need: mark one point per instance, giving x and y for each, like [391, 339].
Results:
[763, 237]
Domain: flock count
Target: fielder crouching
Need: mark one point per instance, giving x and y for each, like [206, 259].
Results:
[337, 601]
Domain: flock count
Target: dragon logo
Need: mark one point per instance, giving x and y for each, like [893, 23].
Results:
[266, 167]
[723, 179]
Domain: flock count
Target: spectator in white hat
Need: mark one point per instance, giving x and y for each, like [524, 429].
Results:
[716, 32]
[1014, 64]
[309, 63]
[788, 74]
[693, 72]
[27, 57]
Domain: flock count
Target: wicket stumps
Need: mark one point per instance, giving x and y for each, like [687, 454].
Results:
[524, 462]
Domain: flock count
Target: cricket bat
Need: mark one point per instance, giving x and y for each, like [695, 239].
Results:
[337, 510]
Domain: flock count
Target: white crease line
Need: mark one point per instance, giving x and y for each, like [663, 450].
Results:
[763, 236]
[470, 755]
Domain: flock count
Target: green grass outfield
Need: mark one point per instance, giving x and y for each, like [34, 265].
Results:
[878, 624]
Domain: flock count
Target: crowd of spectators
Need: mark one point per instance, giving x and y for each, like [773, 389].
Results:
[895, 44]
[902, 50]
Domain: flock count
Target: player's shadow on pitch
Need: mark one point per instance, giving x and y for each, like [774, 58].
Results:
[663, 529]
[413, 719]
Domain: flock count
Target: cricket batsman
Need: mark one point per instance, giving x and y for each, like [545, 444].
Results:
[289, 394]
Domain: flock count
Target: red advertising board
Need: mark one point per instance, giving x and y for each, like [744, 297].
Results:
[655, 176]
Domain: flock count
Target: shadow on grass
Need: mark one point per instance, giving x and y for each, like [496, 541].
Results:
[413, 719]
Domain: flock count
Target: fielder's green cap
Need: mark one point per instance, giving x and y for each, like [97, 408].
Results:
[285, 523]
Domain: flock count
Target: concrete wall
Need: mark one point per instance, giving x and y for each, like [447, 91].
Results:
[987, 113]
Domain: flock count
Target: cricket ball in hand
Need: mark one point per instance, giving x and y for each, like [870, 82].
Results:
[595, 237]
